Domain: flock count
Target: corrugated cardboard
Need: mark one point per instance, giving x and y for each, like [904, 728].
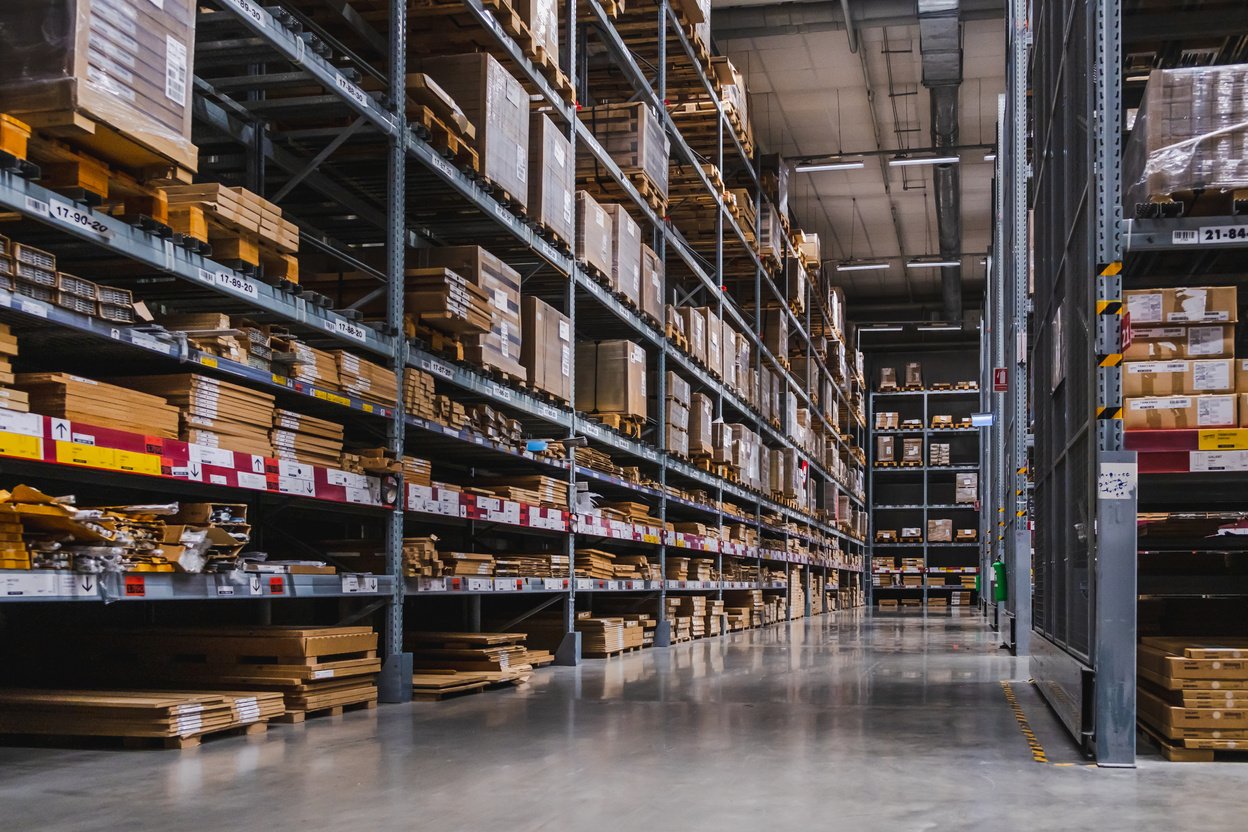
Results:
[625, 254]
[652, 291]
[497, 105]
[912, 450]
[1161, 343]
[552, 179]
[1182, 305]
[966, 488]
[885, 449]
[547, 350]
[500, 347]
[701, 415]
[611, 377]
[695, 331]
[1163, 412]
[1164, 378]
[939, 531]
[595, 234]
[714, 341]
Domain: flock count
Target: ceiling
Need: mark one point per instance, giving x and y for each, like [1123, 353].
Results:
[810, 95]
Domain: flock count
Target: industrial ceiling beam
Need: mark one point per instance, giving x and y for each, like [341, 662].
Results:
[792, 18]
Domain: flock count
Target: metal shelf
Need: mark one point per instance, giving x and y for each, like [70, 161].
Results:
[34, 585]
[1185, 233]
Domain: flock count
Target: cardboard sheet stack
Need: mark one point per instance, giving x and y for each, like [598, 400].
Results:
[305, 363]
[177, 718]
[531, 565]
[1193, 693]
[608, 636]
[534, 489]
[420, 557]
[595, 563]
[495, 658]
[238, 221]
[417, 471]
[219, 334]
[636, 567]
[302, 438]
[10, 397]
[315, 668]
[365, 379]
[97, 403]
[218, 414]
[419, 394]
[746, 602]
[444, 300]
[467, 564]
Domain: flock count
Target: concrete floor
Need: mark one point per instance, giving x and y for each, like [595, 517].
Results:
[888, 722]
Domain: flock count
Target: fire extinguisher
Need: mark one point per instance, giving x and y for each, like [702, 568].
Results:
[998, 581]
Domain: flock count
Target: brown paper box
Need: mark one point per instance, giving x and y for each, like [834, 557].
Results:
[1164, 412]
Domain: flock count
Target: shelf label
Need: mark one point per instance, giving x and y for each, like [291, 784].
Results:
[251, 11]
[135, 586]
[237, 283]
[443, 166]
[296, 486]
[359, 583]
[247, 479]
[362, 496]
[225, 590]
[437, 368]
[20, 445]
[140, 339]
[206, 455]
[349, 329]
[80, 219]
[32, 307]
[353, 92]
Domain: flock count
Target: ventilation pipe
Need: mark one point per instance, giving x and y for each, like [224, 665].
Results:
[940, 46]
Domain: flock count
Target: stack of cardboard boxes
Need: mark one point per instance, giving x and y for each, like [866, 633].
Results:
[1179, 370]
[677, 403]
[547, 350]
[611, 378]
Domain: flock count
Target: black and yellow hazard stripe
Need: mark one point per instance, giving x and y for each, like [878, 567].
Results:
[1109, 359]
[1109, 307]
[1037, 750]
[1111, 269]
[1113, 411]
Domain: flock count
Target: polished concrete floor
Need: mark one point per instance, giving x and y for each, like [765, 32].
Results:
[854, 722]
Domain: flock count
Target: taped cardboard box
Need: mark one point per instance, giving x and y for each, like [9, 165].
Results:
[885, 449]
[914, 374]
[1167, 412]
[1241, 375]
[939, 531]
[547, 349]
[677, 441]
[497, 105]
[652, 292]
[695, 331]
[714, 341]
[1162, 343]
[116, 74]
[776, 332]
[611, 377]
[595, 234]
[912, 451]
[888, 378]
[701, 417]
[729, 368]
[625, 254]
[552, 181]
[1164, 378]
[1183, 305]
[966, 488]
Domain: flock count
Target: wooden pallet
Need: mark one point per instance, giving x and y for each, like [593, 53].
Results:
[436, 685]
[966, 385]
[132, 743]
[912, 388]
[437, 341]
[676, 337]
[1182, 754]
[450, 141]
[940, 385]
[297, 717]
[624, 423]
[609, 653]
[1194, 202]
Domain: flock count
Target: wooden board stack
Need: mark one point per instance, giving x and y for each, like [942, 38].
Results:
[1193, 695]
[96, 403]
[636, 567]
[10, 397]
[539, 565]
[420, 557]
[305, 363]
[315, 668]
[365, 379]
[176, 719]
[218, 334]
[417, 471]
[307, 439]
[467, 564]
[746, 601]
[602, 637]
[502, 658]
[219, 414]
[536, 489]
[419, 394]
[240, 225]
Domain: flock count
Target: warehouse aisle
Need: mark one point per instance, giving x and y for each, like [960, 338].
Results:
[843, 722]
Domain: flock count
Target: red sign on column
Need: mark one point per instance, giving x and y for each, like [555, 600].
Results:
[1000, 379]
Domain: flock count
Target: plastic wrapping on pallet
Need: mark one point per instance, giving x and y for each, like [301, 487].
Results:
[1190, 133]
[114, 73]
[542, 18]
[496, 103]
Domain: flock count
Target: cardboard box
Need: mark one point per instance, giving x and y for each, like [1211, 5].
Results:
[722, 448]
[633, 136]
[776, 332]
[542, 18]
[1152, 412]
[611, 377]
[714, 340]
[677, 441]
[729, 368]
[625, 254]
[701, 415]
[497, 105]
[914, 374]
[127, 67]
[966, 488]
[552, 179]
[652, 287]
[1164, 378]
[695, 331]
[888, 378]
[547, 349]
[1162, 343]
[1182, 305]
[595, 234]
[939, 531]
[885, 449]
[912, 450]
[1241, 375]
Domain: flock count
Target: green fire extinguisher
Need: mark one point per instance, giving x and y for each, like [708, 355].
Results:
[998, 579]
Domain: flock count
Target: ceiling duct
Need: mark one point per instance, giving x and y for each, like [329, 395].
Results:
[940, 46]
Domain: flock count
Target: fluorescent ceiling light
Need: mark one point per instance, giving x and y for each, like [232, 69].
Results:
[939, 327]
[932, 264]
[860, 267]
[990, 157]
[884, 328]
[981, 420]
[816, 167]
[906, 161]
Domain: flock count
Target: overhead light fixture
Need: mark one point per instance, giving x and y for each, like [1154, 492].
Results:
[990, 157]
[818, 167]
[908, 161]
[852, 266]
[939, 327]
[884, 328]
[932, 264]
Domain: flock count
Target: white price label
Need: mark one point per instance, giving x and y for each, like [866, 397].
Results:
[1224, 234]
[353, 92]
[501, 392]
[251, 11]
[344, 327]
[443, 166]
[145, 341]
[297, 486]
[255, 481]
[237, 283]
[82, 219]
[225, 590]
[438, 369]
[359, 583]
[32, 307]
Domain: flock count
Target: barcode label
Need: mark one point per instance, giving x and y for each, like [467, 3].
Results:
[1182, 238]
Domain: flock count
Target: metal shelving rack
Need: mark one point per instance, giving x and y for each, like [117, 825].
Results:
[879, 474]
[375, 198]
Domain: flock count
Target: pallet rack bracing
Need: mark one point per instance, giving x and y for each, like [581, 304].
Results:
[282, 144]
[904, 497]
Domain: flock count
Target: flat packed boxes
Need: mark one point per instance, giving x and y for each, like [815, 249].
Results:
[241, 226]
[218, 414]
[442, 299]
[97, 403]
[365, 379]
[307, 439]
[494, 658]
[1193, 694]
